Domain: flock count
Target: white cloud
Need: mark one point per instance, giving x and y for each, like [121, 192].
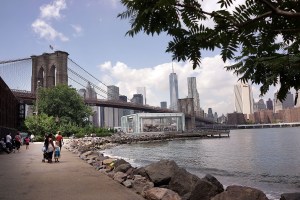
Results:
[53, 10]
[44, 30]
[42, 26]
[78, 30]
[215, 84]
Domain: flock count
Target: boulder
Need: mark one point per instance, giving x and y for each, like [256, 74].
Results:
[161, 194]
[122, 168]
[215, 182]
[167, 174]
[160, 173]
[120, 177]
[140, 171]
[190, 186]
[120, 162]
[290, 196]
[235, 192]
[127, 183]
[108, 161]
[140, 184]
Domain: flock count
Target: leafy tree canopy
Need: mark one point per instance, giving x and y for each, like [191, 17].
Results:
[65, 103]
[262, 36]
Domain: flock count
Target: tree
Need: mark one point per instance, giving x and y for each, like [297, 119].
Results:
[40, 124]
[262, 36]
[64, 104]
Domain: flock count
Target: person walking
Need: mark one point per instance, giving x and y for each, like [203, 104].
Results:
[18, 141]
[50, 147]
[56, 152]
[9, 142]
[59, 139]
[27, 140]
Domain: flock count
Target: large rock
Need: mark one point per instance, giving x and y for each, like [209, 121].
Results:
[161, 194]
[191, 187]
[167, 174]
[119, 162]
[108, 161]
[215, 182]
[160, 173]
[120, 177]
[140, 184]
[235, 192]
[290, 196]
[123, 168]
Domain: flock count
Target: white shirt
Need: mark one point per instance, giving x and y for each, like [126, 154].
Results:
[8, 138]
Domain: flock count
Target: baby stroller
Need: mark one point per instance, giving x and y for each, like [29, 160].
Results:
[45, 154]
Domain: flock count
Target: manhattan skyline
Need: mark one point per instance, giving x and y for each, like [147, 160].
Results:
[96, 40]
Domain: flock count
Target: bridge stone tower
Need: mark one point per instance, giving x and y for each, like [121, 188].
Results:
[49, 69]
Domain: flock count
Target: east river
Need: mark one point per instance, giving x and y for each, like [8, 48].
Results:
[267, 159]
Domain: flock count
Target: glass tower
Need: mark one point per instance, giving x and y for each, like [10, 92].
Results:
[193, 92]
[173, 90]
[243, 99]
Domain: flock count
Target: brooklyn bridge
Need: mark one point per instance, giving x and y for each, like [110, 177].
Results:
[24, 76]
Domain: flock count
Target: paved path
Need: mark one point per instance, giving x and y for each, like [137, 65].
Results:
[23, 176]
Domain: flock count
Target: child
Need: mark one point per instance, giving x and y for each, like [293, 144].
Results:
[27, 140]
[56, 151]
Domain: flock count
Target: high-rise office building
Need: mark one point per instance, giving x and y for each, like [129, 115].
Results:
[163, 104]
[243, 99]
[288, 102]
[137, 98]
[173, 82]
[142, 91]
[90, 93]
[269, 104]
[210, 114]
[260, 105]
[111, 115]
[193, 93]
[122, 111]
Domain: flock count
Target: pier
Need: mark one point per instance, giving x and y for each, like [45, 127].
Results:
[275, 125]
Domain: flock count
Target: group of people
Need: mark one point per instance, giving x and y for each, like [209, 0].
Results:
[52, 147]
[10, 144]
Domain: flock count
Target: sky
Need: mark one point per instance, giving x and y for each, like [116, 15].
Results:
[94, 37]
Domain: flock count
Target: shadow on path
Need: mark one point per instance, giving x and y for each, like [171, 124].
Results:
[23, 176]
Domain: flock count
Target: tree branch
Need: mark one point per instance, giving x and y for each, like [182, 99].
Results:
[280, 12]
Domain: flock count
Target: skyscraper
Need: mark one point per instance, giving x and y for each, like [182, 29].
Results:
[288, 102]
[210, 114]
[142, 91]
[270, 104]
[173, 90]
[111, 115]
[163, 104]
[193, 93]
[260, 105]
[243, 99]
[90, 93]
[137, 98]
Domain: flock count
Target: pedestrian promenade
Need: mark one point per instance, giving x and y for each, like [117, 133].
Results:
[23, 176]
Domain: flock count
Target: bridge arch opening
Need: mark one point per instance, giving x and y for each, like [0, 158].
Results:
[52, 75]
[41, 77]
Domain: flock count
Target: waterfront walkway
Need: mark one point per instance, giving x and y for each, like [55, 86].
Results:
[24, 176]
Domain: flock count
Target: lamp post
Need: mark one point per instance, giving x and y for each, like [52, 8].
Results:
[37, 105]
[37, 97]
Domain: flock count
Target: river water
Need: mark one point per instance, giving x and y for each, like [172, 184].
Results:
[267, 159]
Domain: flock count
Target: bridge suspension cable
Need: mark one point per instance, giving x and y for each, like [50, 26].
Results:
[87, 80]
[12, 61]
[17, 73]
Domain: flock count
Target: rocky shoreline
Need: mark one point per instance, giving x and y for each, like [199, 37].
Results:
[163, 180]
